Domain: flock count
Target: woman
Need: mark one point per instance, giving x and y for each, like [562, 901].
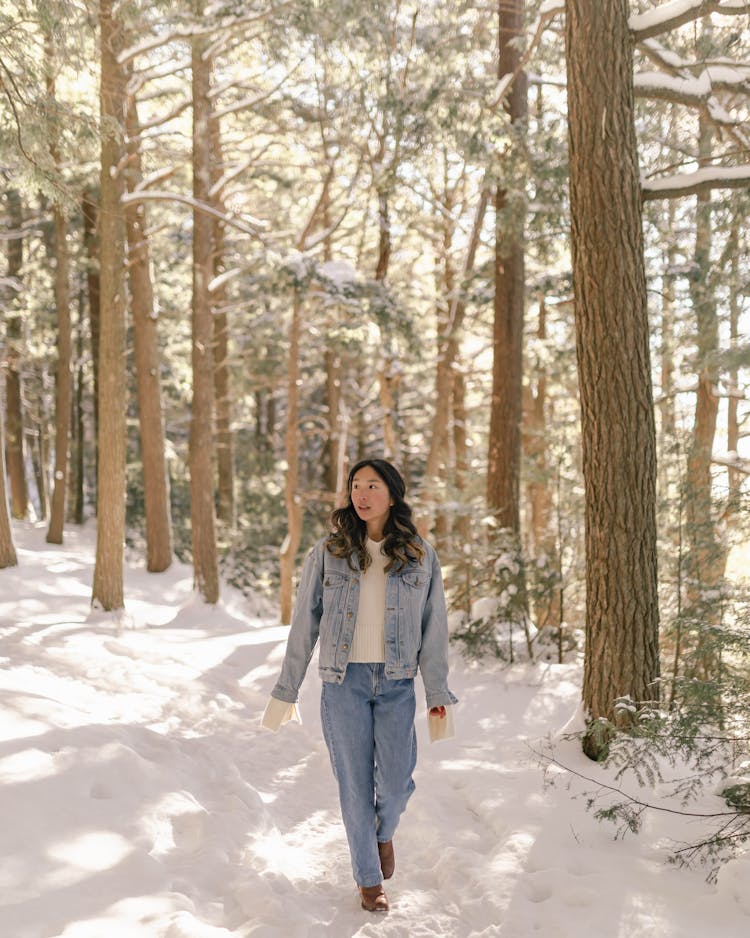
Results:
[372, 591]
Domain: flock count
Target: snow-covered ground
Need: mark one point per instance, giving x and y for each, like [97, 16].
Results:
[140, 798]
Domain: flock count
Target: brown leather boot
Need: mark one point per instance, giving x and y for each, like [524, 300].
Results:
[374, 898]
[387, 858]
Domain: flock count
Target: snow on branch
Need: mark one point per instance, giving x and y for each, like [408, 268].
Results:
[733, 461]
[195, 30]
[676, 13]
[702, 180]
[688, 89]
[252, 226]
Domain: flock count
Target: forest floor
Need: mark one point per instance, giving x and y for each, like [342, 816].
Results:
[141, 799]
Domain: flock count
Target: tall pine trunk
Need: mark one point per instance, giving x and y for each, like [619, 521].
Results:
[7, 550]
[63, 375]
[14, 425]
[110, 535]
[147, 364]
[504, 462]
[612, 342]
[222, 374]
[201, 447]
[293, 538]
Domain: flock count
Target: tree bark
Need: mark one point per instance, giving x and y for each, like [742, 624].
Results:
[733, 427]
[110, 537]
[8, 556]
[222, 374]
[612, 342]
[90, 212]
[63, 375]
[504, 462]
[202, 512]
[293, 538]
[13, 392]
[147, 363]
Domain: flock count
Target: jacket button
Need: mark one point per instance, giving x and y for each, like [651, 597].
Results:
[344, 646]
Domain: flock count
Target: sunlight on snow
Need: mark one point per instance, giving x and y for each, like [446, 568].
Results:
[26, 766]
[290, 854]
[92, 852]
[639, 917]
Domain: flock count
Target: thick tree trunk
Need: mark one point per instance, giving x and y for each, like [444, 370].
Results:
[504, 462]
[612, 341]
[110, 537]
[202, 512]
[147, 364]
[293, 506]
[63, 376]
[14, 430]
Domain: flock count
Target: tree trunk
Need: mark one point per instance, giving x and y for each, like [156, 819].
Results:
[387, 374]
[612, 341]
[77, 436]
[293, 538]
[222, 376]
[110, 535]
[706, 556]
[90, 212]
[13, 394]
[504, 462]
[147, 364]
[7, 550]
[733, 426]
[40, 457]
[202, 512]
[539, 486]
[63, 376]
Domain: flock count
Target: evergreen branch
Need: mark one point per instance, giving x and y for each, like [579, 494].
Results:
[552, 760]
[13, 108]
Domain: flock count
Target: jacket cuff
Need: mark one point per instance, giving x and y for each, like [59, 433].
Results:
[277, 713]
[440, 698]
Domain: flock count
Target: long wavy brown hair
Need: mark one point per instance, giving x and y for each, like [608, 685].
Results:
[401, 542]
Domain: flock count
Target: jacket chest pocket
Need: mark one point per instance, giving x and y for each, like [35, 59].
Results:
[415, 583]
[334, 592]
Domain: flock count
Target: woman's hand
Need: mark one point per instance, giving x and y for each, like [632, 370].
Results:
[437, 712]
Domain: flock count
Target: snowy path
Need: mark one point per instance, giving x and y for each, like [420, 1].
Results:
[140, 799]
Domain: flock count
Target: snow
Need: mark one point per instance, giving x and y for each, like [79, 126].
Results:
[141, 799]
[709, 174]
[662, 13]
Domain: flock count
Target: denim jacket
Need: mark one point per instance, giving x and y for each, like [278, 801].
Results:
[416, 625]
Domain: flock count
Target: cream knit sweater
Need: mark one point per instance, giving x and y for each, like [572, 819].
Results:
[368, 643]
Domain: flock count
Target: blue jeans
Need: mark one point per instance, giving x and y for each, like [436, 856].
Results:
[368, 725]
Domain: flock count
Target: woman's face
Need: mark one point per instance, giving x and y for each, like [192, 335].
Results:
[371, 499]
